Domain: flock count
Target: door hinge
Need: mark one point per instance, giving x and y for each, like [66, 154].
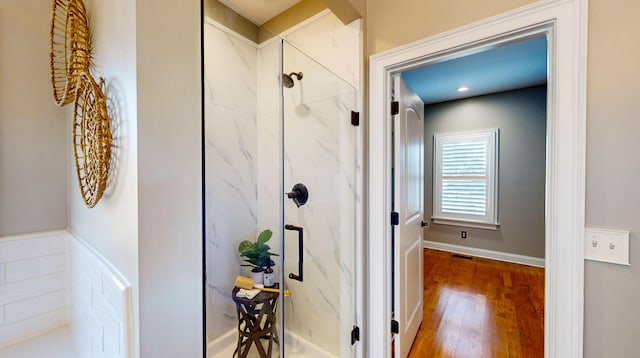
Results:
[355, 335]
[395, 108]
[355, 118]
[395, 218]
[395, 327]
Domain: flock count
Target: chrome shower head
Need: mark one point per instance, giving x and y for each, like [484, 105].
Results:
[287, 79]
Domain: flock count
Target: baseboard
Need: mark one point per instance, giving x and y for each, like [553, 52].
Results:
[487, 254]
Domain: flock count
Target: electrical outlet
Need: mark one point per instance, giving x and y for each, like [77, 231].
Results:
[463, 234]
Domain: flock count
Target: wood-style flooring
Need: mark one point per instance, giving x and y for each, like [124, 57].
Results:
[480, 308]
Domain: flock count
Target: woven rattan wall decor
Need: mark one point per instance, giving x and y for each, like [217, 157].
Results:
[71, 80]
[70, 48]
[91, 139]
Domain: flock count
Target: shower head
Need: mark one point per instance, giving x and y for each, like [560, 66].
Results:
[287, 79]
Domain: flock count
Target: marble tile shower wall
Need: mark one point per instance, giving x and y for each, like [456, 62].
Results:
[231, 166]
[331, 43]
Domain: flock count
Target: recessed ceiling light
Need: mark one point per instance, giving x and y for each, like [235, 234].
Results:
[463, 89]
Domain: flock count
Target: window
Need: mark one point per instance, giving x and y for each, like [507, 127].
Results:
[465, 181]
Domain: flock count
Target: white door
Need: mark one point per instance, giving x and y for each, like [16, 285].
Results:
[408, 203]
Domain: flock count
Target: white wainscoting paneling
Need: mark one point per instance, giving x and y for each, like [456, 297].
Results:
[101, 308]
[36, 306]
[33, 285]
[35, 267]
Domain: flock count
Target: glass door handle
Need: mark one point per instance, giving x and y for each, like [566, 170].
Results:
[293, 276]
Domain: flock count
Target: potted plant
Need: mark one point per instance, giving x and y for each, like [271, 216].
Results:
[257, 255]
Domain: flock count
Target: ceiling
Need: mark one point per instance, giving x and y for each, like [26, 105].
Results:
[259, 11]
[517, 65]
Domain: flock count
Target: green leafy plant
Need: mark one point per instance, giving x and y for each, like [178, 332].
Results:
[257, 254]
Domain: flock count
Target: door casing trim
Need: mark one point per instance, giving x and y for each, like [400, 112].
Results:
[565, 24]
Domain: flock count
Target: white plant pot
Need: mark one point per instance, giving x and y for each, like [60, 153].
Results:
[256, 276]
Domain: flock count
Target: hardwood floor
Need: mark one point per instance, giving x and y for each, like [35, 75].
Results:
[480, 308]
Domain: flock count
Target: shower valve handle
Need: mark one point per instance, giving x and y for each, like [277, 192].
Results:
[299, 194]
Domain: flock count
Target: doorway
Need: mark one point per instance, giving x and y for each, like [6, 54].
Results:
[484, 193]
[564, 25]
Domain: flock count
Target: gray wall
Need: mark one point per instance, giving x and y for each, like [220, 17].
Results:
[169, 177]
[33, 131]
[521, 117]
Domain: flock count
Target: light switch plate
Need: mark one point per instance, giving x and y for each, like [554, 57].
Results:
[607, 245]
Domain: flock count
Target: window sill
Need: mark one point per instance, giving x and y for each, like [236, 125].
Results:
[465, 223]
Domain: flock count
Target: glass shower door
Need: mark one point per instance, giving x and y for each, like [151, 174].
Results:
[319, 171]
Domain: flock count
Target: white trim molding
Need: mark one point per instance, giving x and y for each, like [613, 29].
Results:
[487, 254]
[564, 22]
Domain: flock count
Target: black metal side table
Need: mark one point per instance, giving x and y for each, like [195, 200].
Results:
[256, 321]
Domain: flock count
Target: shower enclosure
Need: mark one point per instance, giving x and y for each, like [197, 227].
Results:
[279, 125]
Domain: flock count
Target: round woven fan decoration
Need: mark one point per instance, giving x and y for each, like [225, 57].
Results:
[69, 50]
[91, 139]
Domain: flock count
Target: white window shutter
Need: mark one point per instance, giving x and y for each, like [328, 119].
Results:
[465, 177]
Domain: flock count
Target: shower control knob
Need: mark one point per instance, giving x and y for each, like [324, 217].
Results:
[299, 194]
